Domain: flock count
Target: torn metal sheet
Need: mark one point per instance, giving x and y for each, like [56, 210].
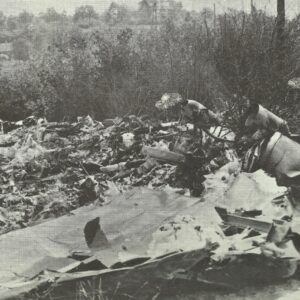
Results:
[244, 222]
[253, 191]
[127, 223]
[160, 276]
[113, 236]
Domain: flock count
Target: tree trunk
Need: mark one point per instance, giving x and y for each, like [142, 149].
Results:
[280, 36]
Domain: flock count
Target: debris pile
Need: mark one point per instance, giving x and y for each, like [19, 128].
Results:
[47, 169]
[240, 229]
[187, 253]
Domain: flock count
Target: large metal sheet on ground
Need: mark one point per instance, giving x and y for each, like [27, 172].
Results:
[128, 223]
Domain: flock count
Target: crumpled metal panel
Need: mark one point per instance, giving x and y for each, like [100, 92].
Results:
[127, 222]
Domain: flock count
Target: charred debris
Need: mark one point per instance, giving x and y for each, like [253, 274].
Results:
[205, 223]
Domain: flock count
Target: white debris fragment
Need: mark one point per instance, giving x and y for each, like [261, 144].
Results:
[183, 234]
[128, 139]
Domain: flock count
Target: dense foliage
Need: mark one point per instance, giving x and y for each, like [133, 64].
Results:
[105, 67]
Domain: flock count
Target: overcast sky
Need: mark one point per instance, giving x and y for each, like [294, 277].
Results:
[36, 6]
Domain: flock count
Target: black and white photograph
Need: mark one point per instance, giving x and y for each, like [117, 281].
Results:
[150, 149]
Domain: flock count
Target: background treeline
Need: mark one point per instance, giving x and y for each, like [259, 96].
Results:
[122, 61]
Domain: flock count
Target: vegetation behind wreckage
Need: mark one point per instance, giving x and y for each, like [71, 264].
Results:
[106, 67]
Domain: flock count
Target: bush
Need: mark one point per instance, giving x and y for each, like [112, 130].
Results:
[118, 71]
[20, 49]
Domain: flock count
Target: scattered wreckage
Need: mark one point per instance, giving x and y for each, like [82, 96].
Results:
[164, 242]
[116, 239]
[48, 169]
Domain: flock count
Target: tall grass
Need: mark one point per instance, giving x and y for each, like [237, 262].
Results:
[111, 71]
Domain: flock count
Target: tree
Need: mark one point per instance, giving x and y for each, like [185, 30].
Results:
[170, 9]
[64, 16]
[280, 35]
[116, 14]
[11, 23]
[2, 19]
[52, 15]
[25, 17]
[20, 49]
[145, 11]
[86, 12]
